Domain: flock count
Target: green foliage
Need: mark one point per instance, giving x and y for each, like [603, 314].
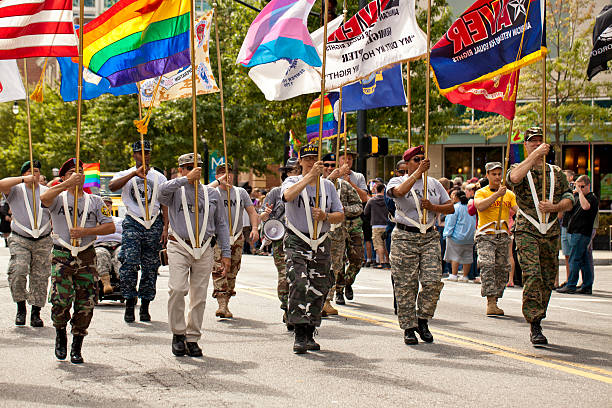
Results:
[569, 112]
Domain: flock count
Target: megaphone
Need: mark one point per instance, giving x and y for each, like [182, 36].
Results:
[273, 230]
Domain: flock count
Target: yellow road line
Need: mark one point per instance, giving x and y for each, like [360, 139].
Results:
[593, 373]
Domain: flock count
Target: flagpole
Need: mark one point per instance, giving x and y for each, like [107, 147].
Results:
[34, 206]
[341, 119]
[142, 153]
[75, 242]
[427, 67]
[229, 187]
[544, 100]
[408, 104]
[194, 123]
[321, 110]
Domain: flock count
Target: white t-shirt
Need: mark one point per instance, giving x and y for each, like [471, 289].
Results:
[128, 194]
[436, 194]
[19, 212]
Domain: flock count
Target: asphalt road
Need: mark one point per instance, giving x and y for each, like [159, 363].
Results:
[474, 361]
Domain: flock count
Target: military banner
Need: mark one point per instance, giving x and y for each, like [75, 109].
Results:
[489, 39]
[602, 43]
[381, 89]
[177, 84]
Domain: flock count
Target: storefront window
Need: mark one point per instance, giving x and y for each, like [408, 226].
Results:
[602, 175]
[483, 155]
[458, 162]
[576, 158]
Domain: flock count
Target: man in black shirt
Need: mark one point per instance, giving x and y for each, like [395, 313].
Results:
[580, 229]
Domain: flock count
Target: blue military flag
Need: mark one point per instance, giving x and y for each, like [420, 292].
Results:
[381, 89]
[93, 85]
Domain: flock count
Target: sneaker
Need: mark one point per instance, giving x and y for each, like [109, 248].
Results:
[452, 278]
[463, 279]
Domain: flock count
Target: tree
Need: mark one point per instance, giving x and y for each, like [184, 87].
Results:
[570, 111]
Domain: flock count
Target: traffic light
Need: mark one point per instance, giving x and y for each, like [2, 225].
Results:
[374, 146]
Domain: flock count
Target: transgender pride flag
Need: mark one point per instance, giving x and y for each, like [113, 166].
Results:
[280, 31]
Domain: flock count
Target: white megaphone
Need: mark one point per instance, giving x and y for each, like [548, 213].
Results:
[273, 230]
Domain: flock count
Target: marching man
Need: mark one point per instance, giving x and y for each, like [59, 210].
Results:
[29, 244]
[191, 262]
[74, 273]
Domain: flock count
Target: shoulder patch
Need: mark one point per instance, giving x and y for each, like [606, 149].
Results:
[106, 211]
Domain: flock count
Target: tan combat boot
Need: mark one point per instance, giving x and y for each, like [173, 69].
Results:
[106, 283]
[328, 309]
[223, 311]
[492, 308]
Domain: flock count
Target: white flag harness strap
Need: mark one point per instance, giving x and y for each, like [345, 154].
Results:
[490, 227]
[203, 246]
[74, 250]
[141, 220]
[542, 226]
[36, 230]
[422, 227]
[312, 241]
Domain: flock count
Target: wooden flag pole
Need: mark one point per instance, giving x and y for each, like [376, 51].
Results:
[341, 120]
[544, 101]
[321, 111]
[427, 104]
[194, 123]
[34, 206]
[408, 103]
[75, 242]
[144, 160]
[229, 200]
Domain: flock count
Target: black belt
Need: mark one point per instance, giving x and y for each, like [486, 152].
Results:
[61, 248]
[31, 238]
[213, 241]
[412, 229]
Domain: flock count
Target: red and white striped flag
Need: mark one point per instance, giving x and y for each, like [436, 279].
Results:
[37, 28]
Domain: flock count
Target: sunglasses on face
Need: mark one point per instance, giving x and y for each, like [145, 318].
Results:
[417, 159]
[332, 165]
[401, 172]
[188, 167]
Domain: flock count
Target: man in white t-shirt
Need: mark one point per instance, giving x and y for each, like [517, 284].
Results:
[143, 233]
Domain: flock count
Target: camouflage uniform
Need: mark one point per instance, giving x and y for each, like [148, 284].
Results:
[538, 253]
[226, 285]
[107, 257]
[29, 259]
[493, 262]
[347, 236]
[278, 253]
[415, 258]
[310, 279]
[140, 248]
[73, 281]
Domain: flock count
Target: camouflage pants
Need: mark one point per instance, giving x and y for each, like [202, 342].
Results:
[140, 248]
[415, 258]
[310, 278]
[278, 253]
[107, 258]
[494, 263]
[539, 259]
[349, 239]
[73, 282]
[226, 285]
[29, 260]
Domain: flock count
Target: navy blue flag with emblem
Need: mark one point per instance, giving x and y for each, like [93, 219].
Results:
[381, 89]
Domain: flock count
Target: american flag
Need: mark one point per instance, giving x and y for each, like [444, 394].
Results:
[37, 28]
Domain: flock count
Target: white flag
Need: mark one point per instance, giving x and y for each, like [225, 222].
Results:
[381, 34]
[11, 87]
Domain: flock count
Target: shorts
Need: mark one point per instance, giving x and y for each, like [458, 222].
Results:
[462, 253]
[377, 238]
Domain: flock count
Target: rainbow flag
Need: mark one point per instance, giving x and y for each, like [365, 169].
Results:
[136, 40]
[330, 118]
[92, 175]
[280, 31]
[517, 148]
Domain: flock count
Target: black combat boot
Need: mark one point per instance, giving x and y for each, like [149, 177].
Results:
[340, 298]
[20, 319]
[178, 345]
[75, 351]
[311, 344]
[35, 320]
[348, 292]
[61, 343]
[409, 337]
[129, 310]
[536, 337]
[423, 331]
[299, 345]
[144, 311]
[193, 350]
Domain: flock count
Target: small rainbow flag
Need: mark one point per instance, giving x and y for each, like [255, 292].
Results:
[92, 175]
[330, 118]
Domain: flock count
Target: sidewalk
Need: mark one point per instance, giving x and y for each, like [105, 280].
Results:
[600, 258]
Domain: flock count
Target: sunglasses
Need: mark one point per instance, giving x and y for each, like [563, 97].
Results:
[417, 159]
[332, 165]
[401, 172]
[188, 167]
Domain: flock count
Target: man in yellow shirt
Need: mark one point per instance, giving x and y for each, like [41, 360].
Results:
[492, 237]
